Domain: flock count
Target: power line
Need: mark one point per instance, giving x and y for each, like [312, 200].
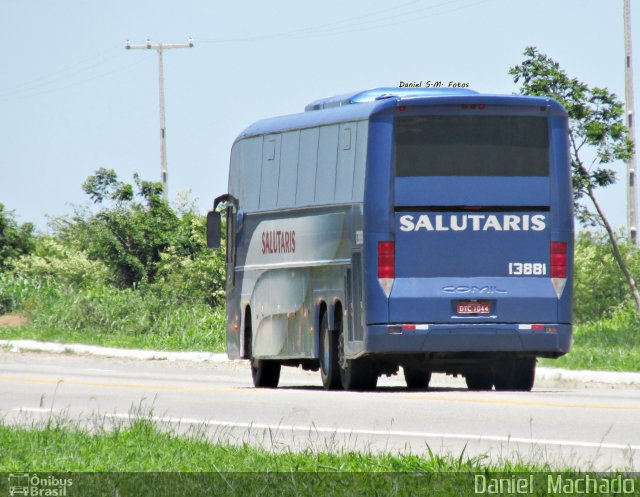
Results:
[37, 93]
[73, 68]
[345, 26]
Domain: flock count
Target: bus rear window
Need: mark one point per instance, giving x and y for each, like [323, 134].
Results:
[471, 146]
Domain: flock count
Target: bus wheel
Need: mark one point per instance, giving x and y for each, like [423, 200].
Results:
[416, 378]
[358, 374]
[479, 379]
[329, 368]
[265, 374]
[516, 373]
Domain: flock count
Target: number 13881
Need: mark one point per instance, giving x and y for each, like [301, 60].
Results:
[527, 268]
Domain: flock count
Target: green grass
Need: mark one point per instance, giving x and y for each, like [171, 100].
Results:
[104, 315]
[611, 344]
[133, 318]
[143, 449]
[143, 446]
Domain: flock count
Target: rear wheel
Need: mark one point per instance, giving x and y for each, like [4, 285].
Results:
[516, 374]
[355, 374]
[416, 378]
[329, 367]
[358, 374]
[265, 373]
[479, 379]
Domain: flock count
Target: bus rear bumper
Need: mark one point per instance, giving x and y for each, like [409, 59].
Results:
[553, 339]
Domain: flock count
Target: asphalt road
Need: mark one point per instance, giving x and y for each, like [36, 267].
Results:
[577, 425]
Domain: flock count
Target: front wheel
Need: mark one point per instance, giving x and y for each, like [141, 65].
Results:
[265, 374]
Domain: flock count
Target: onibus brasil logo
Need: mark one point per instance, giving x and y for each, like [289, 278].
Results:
[34, 485]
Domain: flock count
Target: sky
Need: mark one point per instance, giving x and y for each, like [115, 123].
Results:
[72, 99]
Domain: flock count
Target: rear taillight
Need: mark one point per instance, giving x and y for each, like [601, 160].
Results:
[386, 265]
[558, 263]
[386, 260]
[558, 259]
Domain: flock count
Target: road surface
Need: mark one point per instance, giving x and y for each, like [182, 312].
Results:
[577, 425]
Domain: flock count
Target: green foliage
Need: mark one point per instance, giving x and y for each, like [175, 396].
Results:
[609, 344]
[599, 286]
[16, 290]
[55, 262]
[128, 236]
[144, 242]
[15, 239]
[104, 315]
[149, 446]
[595, 121]
[136, 273]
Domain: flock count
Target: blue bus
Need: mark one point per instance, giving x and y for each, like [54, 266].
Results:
[423, 229]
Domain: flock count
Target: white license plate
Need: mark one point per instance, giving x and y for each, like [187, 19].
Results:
[473, 307]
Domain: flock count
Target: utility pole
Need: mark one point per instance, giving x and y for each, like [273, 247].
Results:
[632, 201]
[159, 47]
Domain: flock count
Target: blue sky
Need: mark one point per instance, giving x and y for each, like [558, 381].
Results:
[72, 99]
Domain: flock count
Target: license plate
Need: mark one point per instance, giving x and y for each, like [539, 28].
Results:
[473, 307]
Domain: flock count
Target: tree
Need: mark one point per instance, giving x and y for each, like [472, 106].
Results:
[595, 124]
[15, 239]
[128, 235]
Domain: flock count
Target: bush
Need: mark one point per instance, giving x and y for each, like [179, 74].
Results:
[199, 277]
[16, 290]
[15, 239]
[599, 286]
[144, 243]
[52, 261]
[125, 317]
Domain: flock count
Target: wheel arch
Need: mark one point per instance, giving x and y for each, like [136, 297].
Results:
[321, 310]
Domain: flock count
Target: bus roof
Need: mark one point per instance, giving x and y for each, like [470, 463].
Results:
[369, 96]
[361, 105]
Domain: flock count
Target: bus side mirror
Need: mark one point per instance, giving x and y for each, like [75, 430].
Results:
[214, 225]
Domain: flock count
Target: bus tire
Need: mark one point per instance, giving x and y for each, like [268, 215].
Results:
[358, 374]
[329, 361]
[265, 374]
[416, 379]
[516, 374]
[479, 379]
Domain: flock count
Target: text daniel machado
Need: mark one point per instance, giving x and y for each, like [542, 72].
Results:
[555, 483]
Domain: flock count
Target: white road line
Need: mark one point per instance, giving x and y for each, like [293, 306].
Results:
[392, 433]
[33, 409]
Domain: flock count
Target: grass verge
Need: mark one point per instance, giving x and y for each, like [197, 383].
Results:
[104, 315]
[142, 450]
[133, 318]
[611, 344]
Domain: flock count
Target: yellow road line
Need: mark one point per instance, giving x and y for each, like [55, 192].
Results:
[134, 386]
[178, 388]
[533, 403]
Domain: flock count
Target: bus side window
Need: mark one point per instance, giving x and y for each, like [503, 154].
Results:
[305, 191]
[360, 160]
[346, 157]
[287, 183]
[327, 158]
[250, 172]
[270, 171]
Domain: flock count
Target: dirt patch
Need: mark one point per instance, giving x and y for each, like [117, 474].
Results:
[12, 320]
